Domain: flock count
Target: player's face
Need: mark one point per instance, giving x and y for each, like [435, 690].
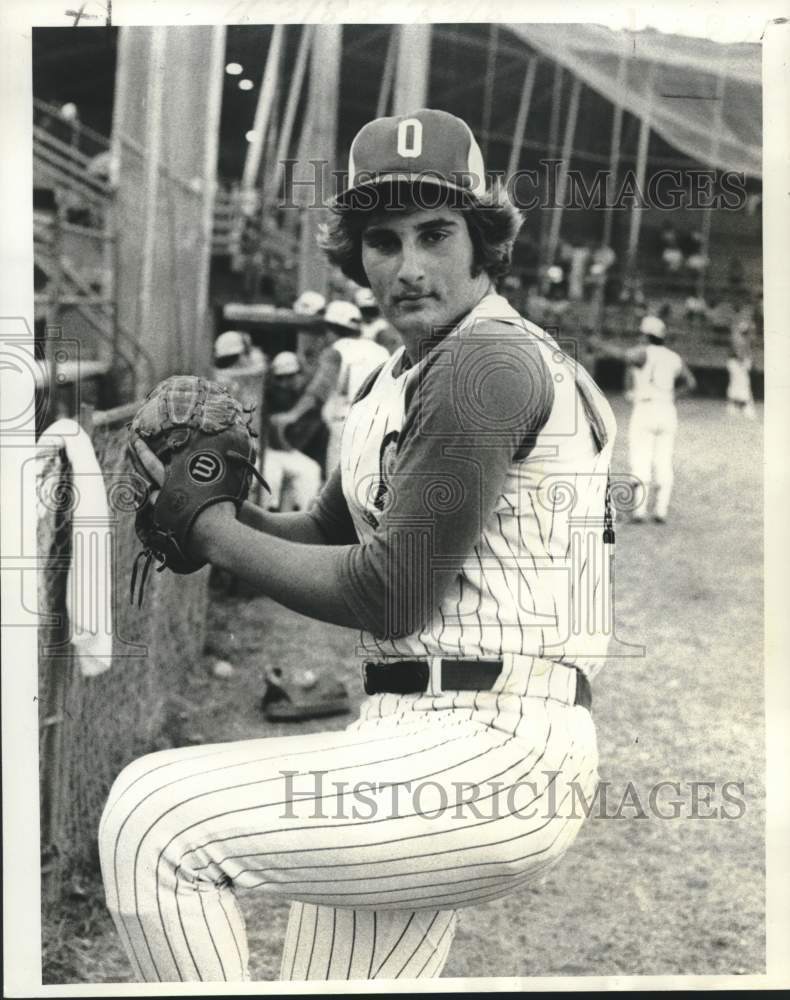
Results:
[419, 265]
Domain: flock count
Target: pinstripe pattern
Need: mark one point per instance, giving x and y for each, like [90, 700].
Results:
[367, 945]
[184, 830]
[520, 590]
[379, 834]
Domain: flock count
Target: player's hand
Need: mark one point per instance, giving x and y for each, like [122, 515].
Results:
[205, 526]
[151, 464]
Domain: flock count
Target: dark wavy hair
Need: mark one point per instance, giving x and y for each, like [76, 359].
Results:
[493, 223]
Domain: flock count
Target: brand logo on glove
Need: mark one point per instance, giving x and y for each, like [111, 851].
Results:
[204, 468]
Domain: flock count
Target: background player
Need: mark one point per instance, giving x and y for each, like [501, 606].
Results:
[293, 476]
[740, 399]
[451, 550]
[340, 369]
[657, 374]
[354, 357]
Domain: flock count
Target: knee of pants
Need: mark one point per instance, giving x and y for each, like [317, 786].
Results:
[125, 813]
[121, 788]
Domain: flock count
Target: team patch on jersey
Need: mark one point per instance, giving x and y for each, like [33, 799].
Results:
[388, 453]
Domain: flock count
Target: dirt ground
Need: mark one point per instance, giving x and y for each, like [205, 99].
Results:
[636, 894]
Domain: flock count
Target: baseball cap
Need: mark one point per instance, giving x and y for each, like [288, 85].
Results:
[309, 303]
[427, 145]
[652, 326]
[345, 314]
[285, 363]
[554, 274]
[228, 344]
[365, 299]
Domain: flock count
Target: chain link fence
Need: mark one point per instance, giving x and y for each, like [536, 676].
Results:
[92, 726]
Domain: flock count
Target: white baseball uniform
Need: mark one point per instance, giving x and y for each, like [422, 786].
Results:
[433, 800]
[653, 425]
[739, 386]
[294, 479]
[358, 358]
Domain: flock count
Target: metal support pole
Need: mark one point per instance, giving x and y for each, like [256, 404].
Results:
[263, 110]
[521, 115]
[551, 149]
[151, 169]
[269, 158]
[289, 115]
[611, 187]
[388, 76]
[488, 90]
[614, 152]
[411, 78]
[567, 152]
[641, 170]
[707, 217]
[320, 144]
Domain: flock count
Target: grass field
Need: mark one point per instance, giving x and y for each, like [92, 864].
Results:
[634, 896]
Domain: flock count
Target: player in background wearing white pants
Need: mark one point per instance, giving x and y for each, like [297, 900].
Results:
[739, 366]
[657, 375]
[465, 533]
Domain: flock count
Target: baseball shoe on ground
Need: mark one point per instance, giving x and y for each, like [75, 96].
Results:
[306, 695]
[659, 519]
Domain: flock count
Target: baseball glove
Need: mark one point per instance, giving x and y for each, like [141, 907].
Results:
[202, 436]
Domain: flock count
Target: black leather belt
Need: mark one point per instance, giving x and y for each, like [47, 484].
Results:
[413, 676]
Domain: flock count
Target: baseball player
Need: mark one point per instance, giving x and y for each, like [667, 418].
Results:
[739, 365]
[465, 533]
[234, 350]
[311, 305]
[354, 357]
[340, 369]
[293, 477]
[656, 375]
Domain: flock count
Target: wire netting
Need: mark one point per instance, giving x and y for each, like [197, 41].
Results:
[92, 726]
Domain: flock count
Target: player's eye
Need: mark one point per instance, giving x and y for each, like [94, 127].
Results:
[381, 242]
[434, 236]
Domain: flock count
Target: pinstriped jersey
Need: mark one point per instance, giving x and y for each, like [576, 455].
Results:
[536, 581]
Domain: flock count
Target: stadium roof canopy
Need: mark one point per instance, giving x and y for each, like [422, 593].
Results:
[675, 80]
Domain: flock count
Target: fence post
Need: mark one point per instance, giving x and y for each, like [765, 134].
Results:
[54, 776]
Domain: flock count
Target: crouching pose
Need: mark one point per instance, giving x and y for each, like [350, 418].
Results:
[465, 534]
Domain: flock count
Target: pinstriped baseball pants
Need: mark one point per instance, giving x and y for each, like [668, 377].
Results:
[377, 834]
